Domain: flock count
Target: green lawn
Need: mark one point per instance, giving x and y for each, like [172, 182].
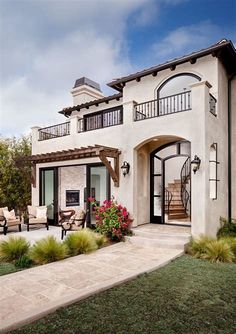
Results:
[7, 268]
[187, 296]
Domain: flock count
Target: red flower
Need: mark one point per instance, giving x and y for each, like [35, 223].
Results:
[91, 199]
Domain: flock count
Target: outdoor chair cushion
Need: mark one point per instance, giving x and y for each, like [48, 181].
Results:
[9, 215]
[32, 210]
[1, 210]
[37, 220]
[77, 218]
[13, 222]
[41, 212]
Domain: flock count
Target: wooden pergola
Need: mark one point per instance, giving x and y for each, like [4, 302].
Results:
[102, 152]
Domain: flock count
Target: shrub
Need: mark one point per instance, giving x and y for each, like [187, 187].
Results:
[80, 242]
[231, 241]
[112, 219]
[13, 248]
[23, 262]
[197, 247]
[218, 251]
[47, 250]
[100, 239]
[227, 228]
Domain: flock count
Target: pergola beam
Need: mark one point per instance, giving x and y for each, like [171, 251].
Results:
[102, 152]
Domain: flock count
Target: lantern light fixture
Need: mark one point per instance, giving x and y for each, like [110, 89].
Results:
[196, 162]
[125, 168]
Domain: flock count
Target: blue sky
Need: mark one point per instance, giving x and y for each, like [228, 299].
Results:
[46, 45]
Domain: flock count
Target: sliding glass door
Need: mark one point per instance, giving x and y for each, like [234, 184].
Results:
[49, 192]
[98, 183]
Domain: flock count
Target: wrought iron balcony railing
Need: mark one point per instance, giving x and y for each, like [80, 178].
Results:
[54, 131]
[101, 119]
[163, 106]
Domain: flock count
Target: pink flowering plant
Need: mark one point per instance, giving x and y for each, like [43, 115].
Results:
[112, 219]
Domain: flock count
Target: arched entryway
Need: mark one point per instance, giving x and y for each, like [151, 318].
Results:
[170, 184]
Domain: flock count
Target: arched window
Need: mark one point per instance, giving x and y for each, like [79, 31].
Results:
[213, 171]
[174, 94]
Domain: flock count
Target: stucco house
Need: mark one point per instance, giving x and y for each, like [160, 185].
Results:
[164, 145]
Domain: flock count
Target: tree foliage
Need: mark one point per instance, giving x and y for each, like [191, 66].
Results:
[15, 186]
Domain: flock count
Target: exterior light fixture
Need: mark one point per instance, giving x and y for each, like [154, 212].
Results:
[196, 162]
[125, 168]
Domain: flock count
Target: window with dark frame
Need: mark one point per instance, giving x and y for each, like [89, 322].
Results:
[213, 165]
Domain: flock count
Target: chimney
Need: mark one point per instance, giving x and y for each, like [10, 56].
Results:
[85, 90]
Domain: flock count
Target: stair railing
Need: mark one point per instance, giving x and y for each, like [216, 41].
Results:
[168, 198]
[184, 178]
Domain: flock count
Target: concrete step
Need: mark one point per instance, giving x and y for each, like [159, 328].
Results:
[148, 237]
[160, 235]
[157, 242]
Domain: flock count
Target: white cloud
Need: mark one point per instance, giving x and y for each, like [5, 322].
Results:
[185, 39]
[48, 45]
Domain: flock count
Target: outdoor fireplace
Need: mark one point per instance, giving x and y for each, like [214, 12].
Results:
[72, 197]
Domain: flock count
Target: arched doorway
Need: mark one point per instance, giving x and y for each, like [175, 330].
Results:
[170, 184]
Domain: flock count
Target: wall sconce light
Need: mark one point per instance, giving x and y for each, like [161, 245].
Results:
[196, 162]
[125, 168]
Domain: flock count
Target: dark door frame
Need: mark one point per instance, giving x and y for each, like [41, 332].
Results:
[56, 184]
[55, 191]
[88, 187]
[153, 155]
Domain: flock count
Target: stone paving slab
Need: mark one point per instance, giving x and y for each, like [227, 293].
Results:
[31, 294]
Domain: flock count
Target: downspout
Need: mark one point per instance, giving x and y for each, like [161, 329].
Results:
[230, 148]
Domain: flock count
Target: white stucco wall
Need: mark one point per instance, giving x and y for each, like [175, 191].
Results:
[233, 129]
[197, 126]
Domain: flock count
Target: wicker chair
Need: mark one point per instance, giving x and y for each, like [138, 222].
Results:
[75, 223]
[5, 222]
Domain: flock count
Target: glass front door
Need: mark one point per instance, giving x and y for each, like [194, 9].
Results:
[48, 192]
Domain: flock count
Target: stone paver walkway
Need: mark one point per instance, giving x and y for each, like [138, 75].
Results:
[33, 293]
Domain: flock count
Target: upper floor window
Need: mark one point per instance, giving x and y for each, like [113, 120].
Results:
[213, 164]
[174, 95]
[179, 83]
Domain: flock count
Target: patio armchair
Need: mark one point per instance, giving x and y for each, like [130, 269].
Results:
[36, 215]
[75, 223]
[8, 219]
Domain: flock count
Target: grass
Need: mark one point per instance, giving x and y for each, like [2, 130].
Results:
[188, 296]
[7, 268]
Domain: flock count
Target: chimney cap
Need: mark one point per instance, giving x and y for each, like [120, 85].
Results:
[85, 81]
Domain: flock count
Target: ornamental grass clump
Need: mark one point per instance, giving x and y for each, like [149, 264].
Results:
[80, 242]
[231, 241]
[13, 248]
[221, 250]
[100, 239]
[197, 247]
[47, 250]
[218, 251]
[112, 219]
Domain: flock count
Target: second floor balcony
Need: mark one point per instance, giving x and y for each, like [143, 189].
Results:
[163, 106]
[114, 116]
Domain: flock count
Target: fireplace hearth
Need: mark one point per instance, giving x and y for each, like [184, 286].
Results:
[72, 198]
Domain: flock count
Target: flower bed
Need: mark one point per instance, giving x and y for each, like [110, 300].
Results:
[112, 219]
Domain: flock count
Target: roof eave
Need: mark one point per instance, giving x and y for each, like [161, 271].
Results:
[119, 84]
